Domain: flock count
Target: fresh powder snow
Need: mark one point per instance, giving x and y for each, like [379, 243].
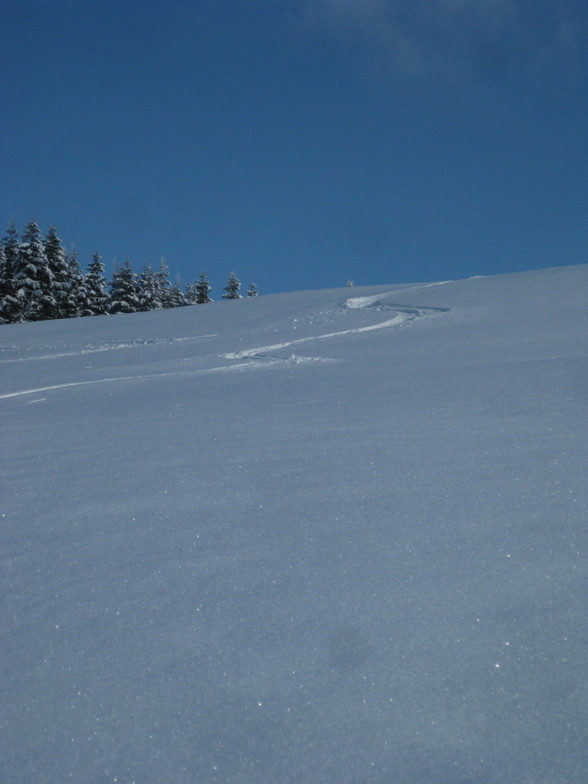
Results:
[306, 538]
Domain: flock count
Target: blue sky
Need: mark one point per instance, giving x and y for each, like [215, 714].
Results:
[301, 143]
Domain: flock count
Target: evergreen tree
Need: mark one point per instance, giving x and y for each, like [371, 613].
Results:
[61, 273]
[203, 289]
[163, 285]
[2, 268]
[176, 297]
[10, 305]
[148, 290]
[76, 295]
[10, 247]
[96, 299]
[190, 294]
[252, 290]
[232, 287]
[123, 293]
[33, 277]
[4, 283]
[10, 243]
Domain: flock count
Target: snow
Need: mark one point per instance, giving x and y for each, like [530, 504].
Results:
[362, 563]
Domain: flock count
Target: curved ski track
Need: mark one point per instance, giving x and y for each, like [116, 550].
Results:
[258, 357]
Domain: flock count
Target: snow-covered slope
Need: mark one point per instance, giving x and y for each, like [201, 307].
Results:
[334, 536]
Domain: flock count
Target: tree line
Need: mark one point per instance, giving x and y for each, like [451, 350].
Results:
[40, 280]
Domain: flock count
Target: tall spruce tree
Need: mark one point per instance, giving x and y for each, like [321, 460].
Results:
[96, 294]
[176, 296]
[33, 277]
[2, 268]
[10, 306]
[123, 292]
[203, 289]
[232, 287]
[4, 283]
[75, 297]
[10, 242]
[61, 273]
[190, 294]
[163, 285]
[148, 290]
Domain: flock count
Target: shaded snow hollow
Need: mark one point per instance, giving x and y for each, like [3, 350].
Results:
[363, 563]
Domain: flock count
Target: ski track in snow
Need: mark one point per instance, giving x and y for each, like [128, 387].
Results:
[93, 348]
[291, 360]
[81, 384]
[403, 314]
[262, 355]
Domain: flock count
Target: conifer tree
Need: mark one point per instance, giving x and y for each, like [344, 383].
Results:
[163, 285]
[33, 277]
[96, 299]
[4, 283]
[232, 287]
[176, 297]
[252, 290]
[123, 294]
[8, 303]
[148, 290]
[61, 274]
[76, 294]
[2, 268]
[203, 289]
[10, 243]
[10, 306]
[190, 294]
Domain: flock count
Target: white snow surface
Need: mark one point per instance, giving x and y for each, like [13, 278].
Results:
[364, 563]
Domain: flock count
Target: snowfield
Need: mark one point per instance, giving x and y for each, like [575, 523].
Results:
[363, 563]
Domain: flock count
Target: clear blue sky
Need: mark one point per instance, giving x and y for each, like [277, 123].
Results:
[300, 143]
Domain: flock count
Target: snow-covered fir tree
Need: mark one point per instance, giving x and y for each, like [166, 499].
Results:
[10, 243]
[232, 288]
[33, 278]
[9, 303]
[203, 289]
[76, 294]
[164, 287]
[123, 292]
[198, 293]
[190, 294]
[96, 295]
[148, 289]
[60, 270]
[176, 296]
[4, 283]
[252, 290]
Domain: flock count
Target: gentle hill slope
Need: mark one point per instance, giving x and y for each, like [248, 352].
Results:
[334, 536]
